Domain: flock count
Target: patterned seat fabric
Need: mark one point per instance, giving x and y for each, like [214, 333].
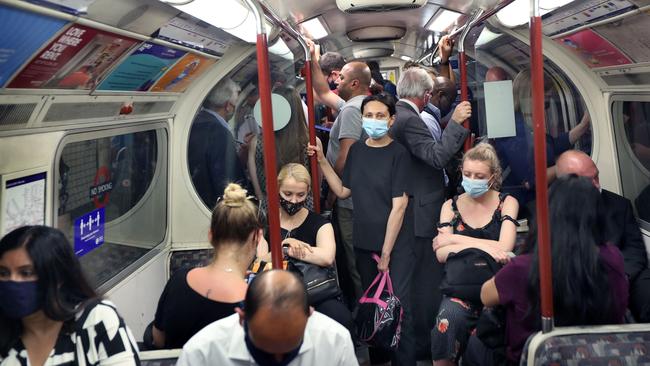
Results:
[607, 349]
[189, 258]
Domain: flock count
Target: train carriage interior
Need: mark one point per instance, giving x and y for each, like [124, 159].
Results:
[98, 99]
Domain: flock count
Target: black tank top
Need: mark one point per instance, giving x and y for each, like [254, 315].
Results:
[490, 231]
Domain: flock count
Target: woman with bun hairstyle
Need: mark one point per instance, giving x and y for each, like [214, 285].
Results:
[194, 298]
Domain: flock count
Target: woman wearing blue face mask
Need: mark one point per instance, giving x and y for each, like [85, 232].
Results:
[375, 175]
[49, 314]
[481, 218]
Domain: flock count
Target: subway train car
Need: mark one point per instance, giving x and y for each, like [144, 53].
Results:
[98, 100]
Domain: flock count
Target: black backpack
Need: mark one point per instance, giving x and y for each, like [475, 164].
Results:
[465, 272]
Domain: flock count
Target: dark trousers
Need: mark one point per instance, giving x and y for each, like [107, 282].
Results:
[640, 297]
[401, 274]
[426, 295]
[336, 309]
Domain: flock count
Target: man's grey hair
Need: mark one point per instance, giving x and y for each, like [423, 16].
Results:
[225, 91]
[413, 83]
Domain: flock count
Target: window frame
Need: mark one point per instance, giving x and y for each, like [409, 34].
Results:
[163, 157]
[618, 131]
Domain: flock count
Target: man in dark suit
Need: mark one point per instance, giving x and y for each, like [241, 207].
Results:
[212, 154]
[620, 228]
[427, 188]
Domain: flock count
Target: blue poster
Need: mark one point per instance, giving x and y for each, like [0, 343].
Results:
[89, 232]
[21, 35]
[142, 68]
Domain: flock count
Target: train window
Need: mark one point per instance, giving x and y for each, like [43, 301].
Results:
[112, 198]
[632, 128]
[223, 127]
[564, 105]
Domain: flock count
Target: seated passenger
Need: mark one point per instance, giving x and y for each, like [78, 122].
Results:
[620, 228]
[516, 153]
[49, 313]
[308, 236]
[589, 282]
[194, 298]
[275, 327]
[481, 218]
[375, 176]
[290, 145]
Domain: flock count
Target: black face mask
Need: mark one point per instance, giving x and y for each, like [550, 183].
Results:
[332, 85]
[290, 207]
[264, 358]
[19, 299]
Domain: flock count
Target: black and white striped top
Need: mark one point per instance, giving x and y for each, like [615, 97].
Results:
[99, 336]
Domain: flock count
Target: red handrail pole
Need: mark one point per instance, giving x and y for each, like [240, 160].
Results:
[315, 191]
[462, 58]
[539, 130]
[268, 134]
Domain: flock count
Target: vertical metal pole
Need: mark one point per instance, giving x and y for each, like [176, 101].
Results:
[312, 132]
[541, 191]
[310, 100]
[268, 134]
[462, 59]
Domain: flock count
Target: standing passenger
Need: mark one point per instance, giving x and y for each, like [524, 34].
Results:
[49, 314]
[375, 176]
[427, 187]
[212, 154]
[195, 297]
[589, 282]
[481, 218]
[352, 86]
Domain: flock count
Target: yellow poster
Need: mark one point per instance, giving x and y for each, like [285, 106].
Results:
[186, 70]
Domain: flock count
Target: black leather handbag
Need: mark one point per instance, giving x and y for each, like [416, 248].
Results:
[320, 281]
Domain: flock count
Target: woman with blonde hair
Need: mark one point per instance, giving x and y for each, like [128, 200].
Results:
[481, 218]
[306, 235]
[196, 297]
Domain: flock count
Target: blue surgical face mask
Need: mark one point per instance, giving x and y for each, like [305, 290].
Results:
[475, 187]
[264, 358]
[19, 299]
[375, 128]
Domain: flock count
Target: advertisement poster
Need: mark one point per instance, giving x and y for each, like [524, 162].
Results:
[186, 70]
[21, 35]
[23, 202]
[142, 68]
[637, 47]
[76, 59]
[195, 33]
[89, 232]
[593, 49]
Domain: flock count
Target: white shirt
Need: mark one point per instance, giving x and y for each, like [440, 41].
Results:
[325, 342]
[415, 107]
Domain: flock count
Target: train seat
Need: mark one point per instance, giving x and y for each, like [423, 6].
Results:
[627, 344]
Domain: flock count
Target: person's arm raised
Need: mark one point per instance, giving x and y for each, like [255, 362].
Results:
[321, 88]
[335, 183]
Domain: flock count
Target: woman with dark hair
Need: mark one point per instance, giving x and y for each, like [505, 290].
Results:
[196, 297]
[375, 175]
[589, 282]
[290, 143]
[49, 314]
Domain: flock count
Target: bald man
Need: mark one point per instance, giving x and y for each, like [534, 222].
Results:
[620, 228]
[276, 327]
[352, 87]
[496, 73]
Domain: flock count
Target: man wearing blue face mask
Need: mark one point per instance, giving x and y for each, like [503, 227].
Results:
[276, 327]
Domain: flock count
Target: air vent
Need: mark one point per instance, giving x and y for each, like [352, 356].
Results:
[372, 52]
[375, 34]
[15, 114]
[60, 112]
[374, 6]
[152, 107]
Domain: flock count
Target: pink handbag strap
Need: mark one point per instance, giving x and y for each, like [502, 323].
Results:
[388, 280]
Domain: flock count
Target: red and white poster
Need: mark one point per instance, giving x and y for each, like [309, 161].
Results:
[593, 50]
[77, 59]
